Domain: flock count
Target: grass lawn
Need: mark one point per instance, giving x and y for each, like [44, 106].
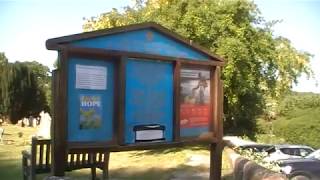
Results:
[163, 164]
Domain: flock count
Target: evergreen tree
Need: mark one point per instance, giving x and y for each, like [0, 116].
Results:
[23, 89]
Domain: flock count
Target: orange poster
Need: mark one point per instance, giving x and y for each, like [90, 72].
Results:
[195, 98]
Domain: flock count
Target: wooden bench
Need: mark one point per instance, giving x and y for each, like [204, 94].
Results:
[38, 160]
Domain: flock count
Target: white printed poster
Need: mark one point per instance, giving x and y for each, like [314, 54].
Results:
[91, 77]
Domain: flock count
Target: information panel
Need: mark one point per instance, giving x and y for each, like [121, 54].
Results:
[194, 102]
[90, 100]
[149, 101]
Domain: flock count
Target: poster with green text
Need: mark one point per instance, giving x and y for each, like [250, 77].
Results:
[90, 112]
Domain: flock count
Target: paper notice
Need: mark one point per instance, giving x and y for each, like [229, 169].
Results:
[91, 77]
[149, 134]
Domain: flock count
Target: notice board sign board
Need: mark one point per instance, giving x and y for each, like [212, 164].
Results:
[148, 101]
[90, 100]
[134, 87]
[195, 102]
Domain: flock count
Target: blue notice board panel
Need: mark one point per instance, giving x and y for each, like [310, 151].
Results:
[147, 41]
[193, 132]
[148, 101]
[90, 100]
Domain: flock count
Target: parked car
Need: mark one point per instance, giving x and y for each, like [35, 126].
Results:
[279, 152]
[256, 148]
[307, 168]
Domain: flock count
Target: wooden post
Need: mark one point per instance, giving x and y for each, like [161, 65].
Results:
[106, 166]
[121, 100]
[176, 102]
[60, 116]
[217, 147]
[33, 158]
[216, 160]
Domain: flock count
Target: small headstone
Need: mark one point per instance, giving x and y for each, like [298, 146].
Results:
[25, 122]
[30, 120]
[45, 125]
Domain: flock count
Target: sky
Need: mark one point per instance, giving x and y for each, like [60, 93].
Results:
[25, 25]
[301, 25]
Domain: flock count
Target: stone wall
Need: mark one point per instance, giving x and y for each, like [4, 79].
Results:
[244, 169]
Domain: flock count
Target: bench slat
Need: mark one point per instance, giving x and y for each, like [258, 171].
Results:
[78, 160]
[100, 158]
[72, 162]
[83, 159]
[48, 156]
[41, 156]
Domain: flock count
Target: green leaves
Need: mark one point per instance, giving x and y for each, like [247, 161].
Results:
[24, 89]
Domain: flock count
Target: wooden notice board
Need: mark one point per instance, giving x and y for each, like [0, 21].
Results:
[135, 87]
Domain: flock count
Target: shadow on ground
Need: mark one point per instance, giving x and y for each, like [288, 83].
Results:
[170, 150]
[10, 169]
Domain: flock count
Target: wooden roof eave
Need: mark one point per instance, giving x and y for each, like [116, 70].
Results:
[97, 52]
[54, 43]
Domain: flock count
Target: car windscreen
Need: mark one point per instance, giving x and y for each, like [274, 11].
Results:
[296, 151]
[315, 154]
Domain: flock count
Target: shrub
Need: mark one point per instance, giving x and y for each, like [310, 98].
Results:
[299, 122]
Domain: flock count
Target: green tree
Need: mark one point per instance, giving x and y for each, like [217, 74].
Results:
[43, 77]
[291, 63]
[3, 86]
[258, 64]
[27, 97]
[24, 89]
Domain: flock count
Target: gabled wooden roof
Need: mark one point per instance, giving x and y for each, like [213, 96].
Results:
[53, 44]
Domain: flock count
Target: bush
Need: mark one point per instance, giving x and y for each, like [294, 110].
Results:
[298, 101]
[303, 128]
[299, 122]
[259, 159]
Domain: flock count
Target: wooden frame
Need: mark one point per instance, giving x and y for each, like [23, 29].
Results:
[117, 60]
[66, 51]
[176, 101]
[118, 124]
[212, 84]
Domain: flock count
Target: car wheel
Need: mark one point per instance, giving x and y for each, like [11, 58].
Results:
[300, 177]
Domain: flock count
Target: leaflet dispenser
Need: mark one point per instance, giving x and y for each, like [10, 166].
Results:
[149, 133]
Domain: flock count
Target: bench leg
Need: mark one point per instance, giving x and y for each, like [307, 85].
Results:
[93, 173]
[105, 171]
[25, 168]
[105, 174]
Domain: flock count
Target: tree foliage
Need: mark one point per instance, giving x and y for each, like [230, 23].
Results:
[3, 84]
[258, 63]
[295, 100]
[23, 88]
[298, 120]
